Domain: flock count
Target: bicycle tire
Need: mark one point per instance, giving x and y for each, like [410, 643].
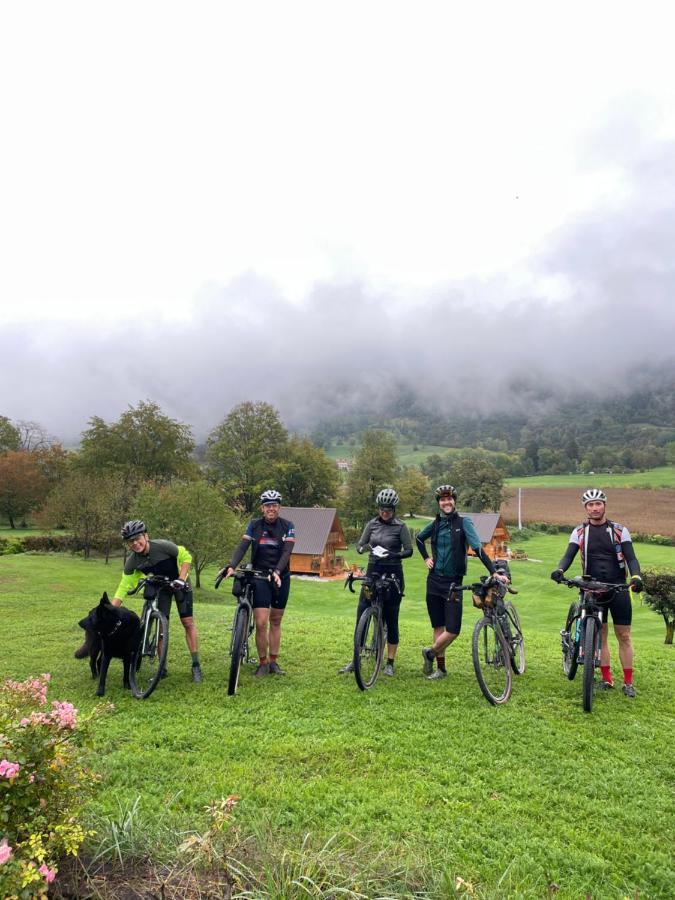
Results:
[589, 664]
[149, 660]
[491, 661]
[369, 641]
[570, 661]
[239, 637]
[515, 639]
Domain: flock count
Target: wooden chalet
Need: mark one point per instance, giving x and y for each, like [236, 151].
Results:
[318, 534]
[493, 534]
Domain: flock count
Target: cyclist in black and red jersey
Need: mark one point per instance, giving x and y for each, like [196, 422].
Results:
[389, 542]
[607, 555]
[272, 540]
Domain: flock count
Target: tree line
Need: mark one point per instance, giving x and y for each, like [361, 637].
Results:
[147, 465]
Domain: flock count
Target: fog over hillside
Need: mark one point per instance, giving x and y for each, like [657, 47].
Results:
[591, 311]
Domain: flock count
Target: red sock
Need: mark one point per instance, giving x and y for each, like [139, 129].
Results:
[263, 660]
[273, 658]
[627, 676]
[607, 674]
[440, 662]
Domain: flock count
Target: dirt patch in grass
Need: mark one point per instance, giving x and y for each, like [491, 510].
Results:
[649, 512]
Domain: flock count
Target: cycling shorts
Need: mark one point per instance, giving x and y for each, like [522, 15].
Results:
[267, 595]
[443, 613]
[183, 603]
[621, 609]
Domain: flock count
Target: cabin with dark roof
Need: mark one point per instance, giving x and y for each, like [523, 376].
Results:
[318, 534]
[493, 534]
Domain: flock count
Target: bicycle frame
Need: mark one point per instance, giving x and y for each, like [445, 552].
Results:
[369, 644]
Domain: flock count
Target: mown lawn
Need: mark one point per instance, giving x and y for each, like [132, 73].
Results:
[663, 476]
[512, 800]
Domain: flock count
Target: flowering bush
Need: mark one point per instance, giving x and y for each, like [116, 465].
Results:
[42, 786]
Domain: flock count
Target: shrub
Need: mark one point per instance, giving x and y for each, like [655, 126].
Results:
[660, 596]
[43, 784]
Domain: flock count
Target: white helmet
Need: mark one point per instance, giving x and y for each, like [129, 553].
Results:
[387, 498]
[270, 497]
[593, 494]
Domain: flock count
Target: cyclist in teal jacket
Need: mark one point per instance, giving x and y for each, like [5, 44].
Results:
[451, 535]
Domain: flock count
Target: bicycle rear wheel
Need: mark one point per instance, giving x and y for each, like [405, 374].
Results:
[239, 637]
[150, 657]
[589, 664]
[515, 639]
[570, 645]
[369, 641]
[491, 661]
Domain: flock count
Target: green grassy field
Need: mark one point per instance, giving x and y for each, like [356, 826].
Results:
[406, 453]
[663, 476]
[426, 779]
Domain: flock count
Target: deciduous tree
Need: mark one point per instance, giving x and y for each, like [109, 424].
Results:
[413, 488]
[374, 467]
[479, 485]
[22, 485]
[192, 514]
[306, 476]
[10, 439]
[243, 450]
[660, 595]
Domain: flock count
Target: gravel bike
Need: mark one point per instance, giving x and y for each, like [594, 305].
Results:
[243, 622]
[581, 638]
[370, 636]
[149, 660]
[497, 645]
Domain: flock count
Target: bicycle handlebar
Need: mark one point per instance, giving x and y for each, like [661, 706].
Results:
[351, 578]
[481, 584]
[243, 572]
[586, 583]
[157, 580]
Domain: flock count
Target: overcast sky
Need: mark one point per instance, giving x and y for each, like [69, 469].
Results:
[202, 203]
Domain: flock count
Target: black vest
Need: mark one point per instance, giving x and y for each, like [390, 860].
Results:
[458, 544]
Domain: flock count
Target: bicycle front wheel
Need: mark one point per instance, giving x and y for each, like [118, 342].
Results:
[369, 640]
[515, 639]
[149, 660]
[491, 661]
[589, 664]
[570, 646]
[239, 637]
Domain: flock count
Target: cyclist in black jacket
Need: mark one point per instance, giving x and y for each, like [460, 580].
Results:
[607, 555]
[389, 542]
[271, 539]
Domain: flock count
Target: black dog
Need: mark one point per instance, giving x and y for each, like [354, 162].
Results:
[91, 647]
[116, 631]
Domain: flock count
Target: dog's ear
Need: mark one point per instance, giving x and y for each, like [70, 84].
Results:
[105, 597]
[104, 600]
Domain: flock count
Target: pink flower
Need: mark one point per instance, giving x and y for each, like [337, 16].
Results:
[64, 714]
[9, 769]
[5, 851]
[49, 874]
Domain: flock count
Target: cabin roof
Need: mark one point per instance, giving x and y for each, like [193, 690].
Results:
[313, 525]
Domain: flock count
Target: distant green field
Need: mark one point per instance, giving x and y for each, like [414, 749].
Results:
[663, 476]
[408, 454]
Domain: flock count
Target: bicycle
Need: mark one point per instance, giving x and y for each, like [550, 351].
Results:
[149, 659]
[497, 645]
[581, 638]
[370, 636]
[243, 622]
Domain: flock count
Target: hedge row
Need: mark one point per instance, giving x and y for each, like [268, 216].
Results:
[46, 543]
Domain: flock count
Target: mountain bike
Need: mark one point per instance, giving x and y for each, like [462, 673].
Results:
[497, 645]
[581, 638]
[149, 660]
[370, 636]
[243, 622]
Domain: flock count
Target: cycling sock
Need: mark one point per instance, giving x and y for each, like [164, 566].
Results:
[390, 661]
[606, 674]
[440, 662]
[273, 657]
[195, 659]
[627, 676]
[263, 660]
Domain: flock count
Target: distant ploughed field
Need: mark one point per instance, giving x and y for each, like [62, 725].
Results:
[649, 512]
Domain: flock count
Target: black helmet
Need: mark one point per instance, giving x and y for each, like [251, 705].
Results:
[132, 529]
[387, 498]
[445, 489]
